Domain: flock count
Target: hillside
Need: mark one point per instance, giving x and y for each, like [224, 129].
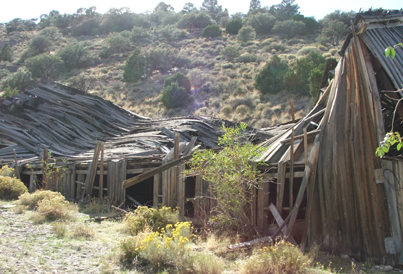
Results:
[88, 51]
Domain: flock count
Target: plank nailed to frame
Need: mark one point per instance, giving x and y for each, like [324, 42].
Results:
[146, 175]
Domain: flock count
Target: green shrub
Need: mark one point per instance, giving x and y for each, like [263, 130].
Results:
[9, 92]
[83, 82]
[261, 22]
[308, 50]
[174, 96]
[276, 46]
[289, 28]
[315, 78]
[11, 188]
[310, 22]
[246, 34]
[212, 31]
[6, 53]
[21, 80]
[45, 66]
[40, 44]
[230, 53]
[196, 77]
[86, 27]
[139, 32]
[298, 80]
[198, 20]
[7, 171]
[118, 42]
[134, 67]
[73, 55]
[280, 258]
[334, 31]
[270, 78]
[51, 32]
[234, 26]
[247, 58]
[181, 79]
[157, 249]
[162, 58]
[152, 218]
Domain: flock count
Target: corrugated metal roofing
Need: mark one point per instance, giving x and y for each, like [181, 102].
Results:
[377, 40]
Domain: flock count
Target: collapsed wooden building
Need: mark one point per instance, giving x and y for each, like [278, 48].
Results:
[327, 186]
[101, 146]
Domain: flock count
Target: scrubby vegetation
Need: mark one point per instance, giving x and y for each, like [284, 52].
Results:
[10, 187]
[125, 57]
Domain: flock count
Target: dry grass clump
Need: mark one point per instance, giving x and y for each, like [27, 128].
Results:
[280, 258]
[202, 263]
[31, 200]
[81, 231]
[60, 229]
[99, 206]
[48, 206]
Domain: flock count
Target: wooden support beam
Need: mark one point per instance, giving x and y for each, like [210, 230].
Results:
[133, 200]
[16, 169]
[291, 180]
[190, 145]
[311, 133]
[292, 111]
[32, 182]
[92, 169]
[281, 170]
[280, 221]
[309, 170]
[249, 244]
[146, 175]
[306, 145]
[101, 172]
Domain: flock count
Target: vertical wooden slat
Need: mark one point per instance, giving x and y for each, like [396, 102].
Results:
[198, 193]
[291, 180]
[311, 167]
[101, 172]
[32, 183]
[123, 175]
[80, 178]
[292, 111]
[44, 165]
[181, 189]
[72, 183]
[156, 189]
[281, 170]
[306, 145]
[16, 169]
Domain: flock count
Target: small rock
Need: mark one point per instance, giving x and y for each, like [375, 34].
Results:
[388, 268]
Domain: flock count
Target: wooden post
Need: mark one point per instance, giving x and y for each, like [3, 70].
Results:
[44, 166]
[306, 145]
[80, 178]
[292, 111]
[291, 180]
[16, 170]
[32, 183]
[101, 172]
[281, 170]
[310, 169]
[175, 184]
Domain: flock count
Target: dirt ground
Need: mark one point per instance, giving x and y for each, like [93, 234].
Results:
[35, 248]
